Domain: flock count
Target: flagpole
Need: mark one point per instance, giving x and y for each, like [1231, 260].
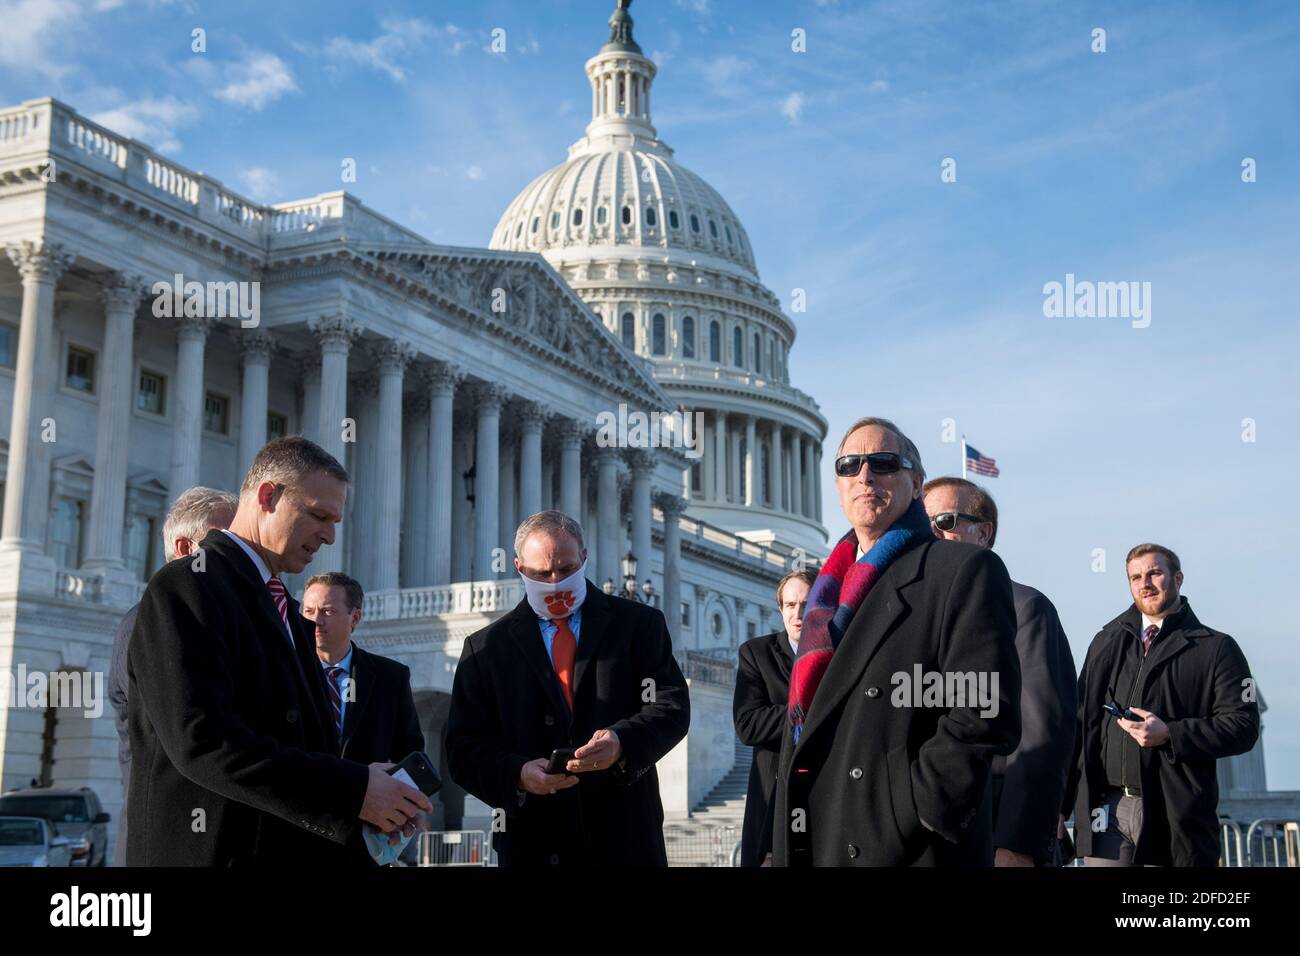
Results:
[963, 458]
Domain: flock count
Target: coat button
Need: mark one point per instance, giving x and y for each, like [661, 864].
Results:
[965, 824]
[555, 858]
[873, 691]
[548, 720]
[291, 716]
[856, 773]
[853, 851]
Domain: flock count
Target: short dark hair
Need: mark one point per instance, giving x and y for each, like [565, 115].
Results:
[981, 505]
[1149, 548]
[337, 579]
[286, 461]
[806, 575]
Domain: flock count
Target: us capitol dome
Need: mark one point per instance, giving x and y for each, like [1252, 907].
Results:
[661, 257]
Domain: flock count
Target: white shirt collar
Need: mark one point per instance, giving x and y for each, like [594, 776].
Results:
[262, 569]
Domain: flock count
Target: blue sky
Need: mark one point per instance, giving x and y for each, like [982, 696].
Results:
[924, 297]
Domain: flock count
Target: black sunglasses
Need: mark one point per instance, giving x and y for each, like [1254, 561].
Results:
[880, 463]
[947, 520]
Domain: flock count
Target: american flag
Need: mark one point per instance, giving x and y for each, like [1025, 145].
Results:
[980, 465]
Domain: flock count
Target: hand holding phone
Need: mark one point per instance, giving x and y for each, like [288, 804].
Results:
[560, 758]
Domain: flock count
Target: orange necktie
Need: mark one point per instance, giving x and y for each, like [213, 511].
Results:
[564, 649]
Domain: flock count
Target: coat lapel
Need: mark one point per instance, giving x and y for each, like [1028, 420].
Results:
[596, 616]
[363, 685]
[526, 632]
[884, 606]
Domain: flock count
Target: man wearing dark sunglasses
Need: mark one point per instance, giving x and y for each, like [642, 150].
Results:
[1029, 783]
[869, 776]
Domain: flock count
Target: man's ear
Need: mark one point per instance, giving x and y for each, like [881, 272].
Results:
[269, 495]
[1178, 580]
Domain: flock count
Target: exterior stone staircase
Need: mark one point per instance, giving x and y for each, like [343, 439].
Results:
[710, 836]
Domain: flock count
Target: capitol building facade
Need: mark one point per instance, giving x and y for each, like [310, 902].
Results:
[464, 388]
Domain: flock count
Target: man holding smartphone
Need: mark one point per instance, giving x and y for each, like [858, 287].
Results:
[560, 710]
[1161, 698]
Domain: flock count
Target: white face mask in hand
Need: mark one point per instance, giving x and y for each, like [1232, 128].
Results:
[559, 599]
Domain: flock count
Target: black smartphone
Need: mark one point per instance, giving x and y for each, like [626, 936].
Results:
[560, 757]
[420, 769]
[1116, 711]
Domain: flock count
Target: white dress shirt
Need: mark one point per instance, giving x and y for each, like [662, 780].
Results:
[262, 569]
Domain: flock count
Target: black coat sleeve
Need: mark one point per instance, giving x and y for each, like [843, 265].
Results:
[1035, 777]
[759, 721]
[665, 713]
[477, 758]
[1232, 726]
[952, 768]
[180, 660]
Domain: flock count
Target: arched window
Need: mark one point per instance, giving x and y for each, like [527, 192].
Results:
[771, 357]
[715, 341]
[695, 223]
[673, 220]
[600, 215]
[650, 217]
[536, 221]
[758, 354]
[627, 215]
[688, 338]
[658, 334]
[519, 229]
[728, 228]
[629, 331]
[577, 216]
[738, 347]
[713, 229]
[555, 219]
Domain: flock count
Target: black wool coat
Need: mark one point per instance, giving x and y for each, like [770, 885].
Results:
[1197, 681]
[876, 780]
[759, 708]
[234, 756]
[507, 709]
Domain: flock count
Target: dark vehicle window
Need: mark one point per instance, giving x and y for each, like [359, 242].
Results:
[21, 833]
[58, 809]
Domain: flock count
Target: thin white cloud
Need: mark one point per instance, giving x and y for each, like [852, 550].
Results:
[262, 78]
[385, 52]
[792, 106]
[260, 182]
[474, 172]
[30, 28]
[152, 121]
[724, 74]
[878, 86]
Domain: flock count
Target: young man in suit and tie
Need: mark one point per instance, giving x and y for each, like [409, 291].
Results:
[235, 757]
[370, 698]
[759, 709]
[569, 667]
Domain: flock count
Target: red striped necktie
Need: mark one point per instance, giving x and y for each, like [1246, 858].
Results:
[281, 598]
[1148, 636]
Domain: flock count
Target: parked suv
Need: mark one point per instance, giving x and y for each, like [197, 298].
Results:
[32, 841]
[76, 814]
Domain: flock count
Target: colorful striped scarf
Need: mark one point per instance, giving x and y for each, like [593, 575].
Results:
[837, 593]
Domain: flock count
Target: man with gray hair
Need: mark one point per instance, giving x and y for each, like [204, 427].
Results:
[192, 516]
[228, 706]
[560, 710]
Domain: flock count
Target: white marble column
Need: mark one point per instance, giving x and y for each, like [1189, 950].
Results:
[335, 334]
[309, 380]
[808, 474]
[777, 464]
[444, 480]
[571, 502]
[532, 417]
[508, 489]
[393, 357]
[720, 456]
[256, 347]
[642, 466]
[462, 516]
[487, 483]
[672, 508]
[121, 297]
[752, 488]
[362, 524]
[817, 481]
[415, 489]
[188, 393]
[737, 469]
[607, 514]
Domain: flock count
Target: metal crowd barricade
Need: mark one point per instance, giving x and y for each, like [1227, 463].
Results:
[1233, 853]
[1273, 843]
[454, 848]
[713, 846]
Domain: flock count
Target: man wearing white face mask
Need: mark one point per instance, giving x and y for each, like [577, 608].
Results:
[569, 669]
